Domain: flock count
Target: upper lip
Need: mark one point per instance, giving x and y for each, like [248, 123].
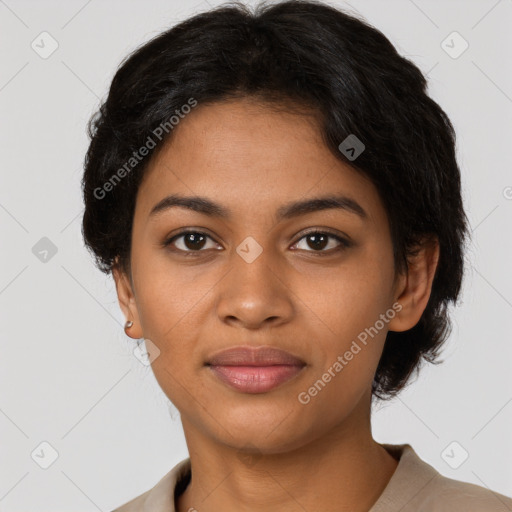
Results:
[253, 356]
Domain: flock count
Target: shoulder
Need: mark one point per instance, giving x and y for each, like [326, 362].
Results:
[417, 486]
[135, 504]
[160, 498]
[447, 494]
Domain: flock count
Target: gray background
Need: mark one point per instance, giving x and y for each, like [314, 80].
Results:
[67, 372]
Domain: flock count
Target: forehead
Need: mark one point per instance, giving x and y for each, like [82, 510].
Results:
[251, 157]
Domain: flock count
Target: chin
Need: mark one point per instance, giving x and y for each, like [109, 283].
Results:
[262, 428]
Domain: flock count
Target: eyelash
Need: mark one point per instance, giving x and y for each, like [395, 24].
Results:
[344, 243]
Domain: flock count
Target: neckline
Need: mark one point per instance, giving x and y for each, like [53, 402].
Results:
[400, 452]
[182, 481]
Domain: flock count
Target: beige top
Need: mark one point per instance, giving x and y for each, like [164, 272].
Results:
[414, 487]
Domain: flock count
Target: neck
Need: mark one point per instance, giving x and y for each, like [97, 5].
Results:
[344, 471]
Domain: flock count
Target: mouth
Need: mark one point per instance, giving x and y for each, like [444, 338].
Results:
[254, 370]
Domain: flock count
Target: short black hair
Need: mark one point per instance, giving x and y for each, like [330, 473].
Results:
[302, 54]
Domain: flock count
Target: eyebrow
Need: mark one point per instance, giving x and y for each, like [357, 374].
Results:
[287, 211]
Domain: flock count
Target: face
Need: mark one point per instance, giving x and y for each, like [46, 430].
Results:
[257, 276]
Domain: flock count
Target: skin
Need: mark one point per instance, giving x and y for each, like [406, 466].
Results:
[268, 451]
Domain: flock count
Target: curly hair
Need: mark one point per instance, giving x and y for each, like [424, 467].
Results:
[300, 54]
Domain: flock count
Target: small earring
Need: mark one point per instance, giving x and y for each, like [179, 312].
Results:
[128, 324]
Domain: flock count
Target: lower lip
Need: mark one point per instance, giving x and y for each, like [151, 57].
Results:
[255, 379]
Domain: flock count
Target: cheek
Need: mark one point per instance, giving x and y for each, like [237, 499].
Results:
[167, 293]
[350, 304]
[167, 303]
[169, 322]
[352, 296]
[348, 345]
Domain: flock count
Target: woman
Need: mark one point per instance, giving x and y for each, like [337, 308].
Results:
[278, 201]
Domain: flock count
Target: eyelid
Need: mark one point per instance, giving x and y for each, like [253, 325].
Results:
[326, 231]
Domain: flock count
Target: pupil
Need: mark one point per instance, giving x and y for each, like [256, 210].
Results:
[316, 244]
[194, 238]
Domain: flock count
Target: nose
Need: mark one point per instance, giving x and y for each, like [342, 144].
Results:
[254, 295]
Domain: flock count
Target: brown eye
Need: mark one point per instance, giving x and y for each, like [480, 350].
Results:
[189, 241]
[319, 241]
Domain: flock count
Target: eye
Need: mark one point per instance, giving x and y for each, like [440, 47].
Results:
[319, 240]
[195, 241]
[189, 241]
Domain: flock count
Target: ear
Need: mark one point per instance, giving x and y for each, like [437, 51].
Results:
[126, 299]
[415, 285]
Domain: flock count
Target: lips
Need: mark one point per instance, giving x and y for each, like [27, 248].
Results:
[254, 370]
[254, 356]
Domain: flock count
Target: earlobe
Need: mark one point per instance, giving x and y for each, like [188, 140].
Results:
[127, 302]
[416, 285]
